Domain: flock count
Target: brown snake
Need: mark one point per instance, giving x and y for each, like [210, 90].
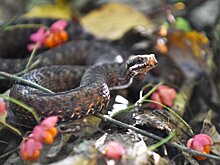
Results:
[90, 97]
[93, 93]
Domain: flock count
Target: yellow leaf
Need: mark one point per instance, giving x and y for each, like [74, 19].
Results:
[51, 11]
[190, 40]
[112, 20]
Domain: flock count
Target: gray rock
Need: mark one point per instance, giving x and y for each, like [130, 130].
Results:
[205, 15]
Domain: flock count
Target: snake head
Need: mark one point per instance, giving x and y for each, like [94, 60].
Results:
[140, 64]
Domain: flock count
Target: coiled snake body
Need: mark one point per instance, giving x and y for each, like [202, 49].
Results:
[93, 93]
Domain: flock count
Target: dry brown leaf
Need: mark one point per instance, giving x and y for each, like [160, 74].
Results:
[112, 20]
[190, 52]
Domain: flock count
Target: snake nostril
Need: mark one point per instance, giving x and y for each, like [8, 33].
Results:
[153, 62]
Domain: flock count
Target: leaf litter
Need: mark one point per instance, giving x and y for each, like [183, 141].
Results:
[186, 58]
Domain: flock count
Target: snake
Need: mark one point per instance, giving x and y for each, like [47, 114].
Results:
[78, 90]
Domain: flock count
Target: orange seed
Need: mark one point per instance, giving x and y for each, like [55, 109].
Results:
[53, 131]
[48, 138]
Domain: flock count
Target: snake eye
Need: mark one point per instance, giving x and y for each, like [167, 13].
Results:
[130, 62]
[135, 60]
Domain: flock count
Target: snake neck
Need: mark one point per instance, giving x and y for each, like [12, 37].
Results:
[115, 76]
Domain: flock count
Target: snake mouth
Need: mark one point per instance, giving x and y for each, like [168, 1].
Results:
[151, 62]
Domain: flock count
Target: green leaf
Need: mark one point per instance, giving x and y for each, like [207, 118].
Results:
[182, 24]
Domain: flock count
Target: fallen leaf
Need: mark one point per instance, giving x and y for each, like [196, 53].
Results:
[210, 129]
[112, 20]
[190, 52]
[189, 40]
[50, 10]
[136, 153]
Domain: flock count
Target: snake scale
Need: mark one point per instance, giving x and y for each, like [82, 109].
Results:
[103, 71]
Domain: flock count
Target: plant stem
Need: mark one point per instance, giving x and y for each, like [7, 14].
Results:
[143, 88]
[7, 23]
[8, 153]
[171, 111]
[144, 99]
[21, 80]
[183, 148]
[123, 110]
[11, 27]
[12, 128]
[140, 101]
[160, 143]
[32, 55]
[22, 105]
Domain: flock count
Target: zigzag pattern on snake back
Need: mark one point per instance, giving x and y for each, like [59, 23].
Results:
[93, 93]
[91, 96]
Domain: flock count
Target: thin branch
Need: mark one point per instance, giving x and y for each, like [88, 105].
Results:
[183, 148]
[33, 53]
[13, 100]
[11, 128]
[21, 80]
[8, 153]
[143, 88]
[11, 27]
[171, 111]
[140, 101]
[6, 24]
[142, 98]
[160, 143]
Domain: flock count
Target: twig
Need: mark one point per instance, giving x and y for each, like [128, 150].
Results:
[160, 143]
[183, 148]
[21, 80]
[140, 101]
[129, 108]
[142, 98]
[11, 27]
[143, 88]
[7, 23]
[171, 111]
[11, 127]
[8, 153]
[33, 53]
[21, 104]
